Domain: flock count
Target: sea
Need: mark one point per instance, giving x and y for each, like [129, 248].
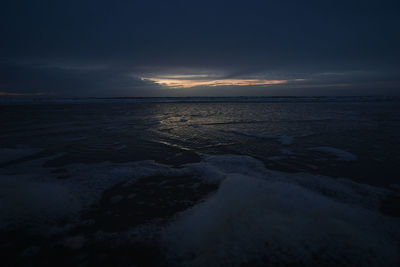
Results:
[200, 181]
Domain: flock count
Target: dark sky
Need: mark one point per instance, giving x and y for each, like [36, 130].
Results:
[181, 48]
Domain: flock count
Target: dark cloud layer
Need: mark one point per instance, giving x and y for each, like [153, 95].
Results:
[103, 48]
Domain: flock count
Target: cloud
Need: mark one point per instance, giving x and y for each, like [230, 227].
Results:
[94, 48]
[21, 94]
[68, 80]
[104, 80]
[189, 81]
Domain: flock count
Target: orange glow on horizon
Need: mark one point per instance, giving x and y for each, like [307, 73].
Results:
[187, 81]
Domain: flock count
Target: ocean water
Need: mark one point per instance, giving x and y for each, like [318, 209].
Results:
[200, 181]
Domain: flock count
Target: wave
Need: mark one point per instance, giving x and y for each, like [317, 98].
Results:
[255, 217]
[284, 140]
[262, 217]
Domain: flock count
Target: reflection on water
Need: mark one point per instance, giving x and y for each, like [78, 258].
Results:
[144, 184]
[123, 132]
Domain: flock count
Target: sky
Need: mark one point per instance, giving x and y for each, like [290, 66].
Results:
[199, 48]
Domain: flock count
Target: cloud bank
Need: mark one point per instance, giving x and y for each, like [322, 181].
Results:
[131, 48]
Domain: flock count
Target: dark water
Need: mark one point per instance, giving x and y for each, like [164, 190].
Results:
[85, 151]
[163, 131]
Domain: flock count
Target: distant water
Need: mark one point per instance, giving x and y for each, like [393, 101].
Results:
[252, 99]
[200, 181]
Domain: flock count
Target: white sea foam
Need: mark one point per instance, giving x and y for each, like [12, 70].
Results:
[264, 217]
[36, 199]
[9, 154]
[29, 203]
[284, 140]
[120, 147]
[257, 216]
[338, 153]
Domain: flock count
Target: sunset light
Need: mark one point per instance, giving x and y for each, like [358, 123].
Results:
[189, 81]
[200, 133]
